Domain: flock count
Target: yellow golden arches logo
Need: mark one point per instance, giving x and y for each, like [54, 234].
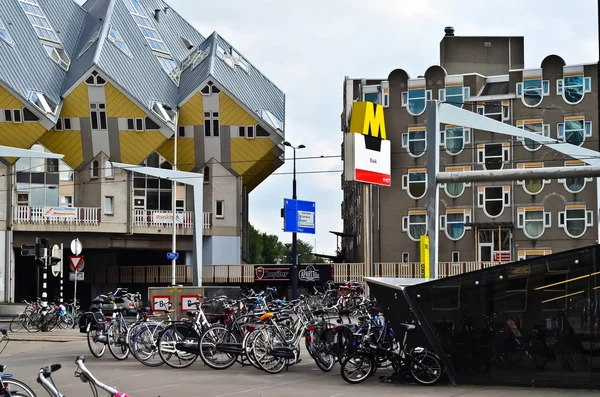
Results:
[367, 119]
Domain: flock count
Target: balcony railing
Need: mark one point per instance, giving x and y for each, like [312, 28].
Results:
[238, 274]
[161, 219]
[24, 214]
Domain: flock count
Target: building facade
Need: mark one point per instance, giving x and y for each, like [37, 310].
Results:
[479, 222]
[120, 81]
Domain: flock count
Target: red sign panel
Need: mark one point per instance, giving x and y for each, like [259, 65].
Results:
[76, 263]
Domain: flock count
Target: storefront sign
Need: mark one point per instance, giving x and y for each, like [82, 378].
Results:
[167, 217]
[306, 273]
[60, 212]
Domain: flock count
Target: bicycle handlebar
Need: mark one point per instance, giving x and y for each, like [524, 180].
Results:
[85, 372]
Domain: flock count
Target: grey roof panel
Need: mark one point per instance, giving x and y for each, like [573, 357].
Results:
[192, 78]
[171, 27]
[96, 16]
[252, 88]
[500, 88]
[141, 76]
[66, 17]
[26, 66]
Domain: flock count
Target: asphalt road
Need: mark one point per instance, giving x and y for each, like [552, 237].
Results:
[304, 379]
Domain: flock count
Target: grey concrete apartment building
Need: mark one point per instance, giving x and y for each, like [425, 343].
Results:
[480, 222]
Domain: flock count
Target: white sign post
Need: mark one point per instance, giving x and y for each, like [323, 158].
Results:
[76, 248]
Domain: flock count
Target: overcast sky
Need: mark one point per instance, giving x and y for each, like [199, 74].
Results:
[306, 47]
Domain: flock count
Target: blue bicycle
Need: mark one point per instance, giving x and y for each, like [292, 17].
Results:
[9, 386]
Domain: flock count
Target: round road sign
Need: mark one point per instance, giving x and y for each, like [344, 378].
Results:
[76, 247]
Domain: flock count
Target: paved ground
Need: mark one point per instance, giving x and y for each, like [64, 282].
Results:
[24, 359]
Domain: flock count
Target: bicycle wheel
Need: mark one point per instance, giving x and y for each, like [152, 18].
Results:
[210, 353]
[358, 367]
[261, 347]
[16, 388]
[96, 340]
[569, 358]
[426, 368]
[178, 345]
[33, 322]
[117, 342]
[17, 323]
[249, 346]
[66, 322]
[144, 345]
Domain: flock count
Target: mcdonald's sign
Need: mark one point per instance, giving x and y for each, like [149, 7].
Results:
[367, 151]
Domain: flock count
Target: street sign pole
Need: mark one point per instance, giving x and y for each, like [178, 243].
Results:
[61, 273]
[75, 289]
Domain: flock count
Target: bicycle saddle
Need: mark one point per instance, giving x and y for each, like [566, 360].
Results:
[407, 327]
[3, 368]
[3, 331]
[48, 370]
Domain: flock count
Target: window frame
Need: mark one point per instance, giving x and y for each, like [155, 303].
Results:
[561, 131]
[206, 174]
[544, 89]
[118, 40]
[406, 182]
[407, 257]
[406, 222]
[212, 122]
[111, 200]
[98, 112]
[407, 98]
[70, 202]
[109, 170]
[465, 184]
[481, 156]
[406, 141]
[467, 217]
[564, 86]
[462, 94]
[574, 163]
[222, 202]
[457, 260]
[545, 132]
[466, 137]
[522, 220]
[137, 127]
[563, 220]
[523, 183]
[95, 169]
[504, 110]
[482, 199]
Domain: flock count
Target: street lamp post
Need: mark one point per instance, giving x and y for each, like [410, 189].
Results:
[294, 269]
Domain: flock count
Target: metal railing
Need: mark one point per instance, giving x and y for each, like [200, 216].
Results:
[244, 274]
[24, 214]
[161, 219]
[139, 274]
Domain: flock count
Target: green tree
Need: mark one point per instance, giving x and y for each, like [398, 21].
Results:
[272, 248]
[305, 252]
[255, 246]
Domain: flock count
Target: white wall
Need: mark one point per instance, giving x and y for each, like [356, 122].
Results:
[225, 250]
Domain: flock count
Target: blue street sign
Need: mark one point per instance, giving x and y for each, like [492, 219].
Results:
[299, 216]
[172, 255]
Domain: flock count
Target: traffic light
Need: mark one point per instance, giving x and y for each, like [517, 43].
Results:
[27, 250]
[42, 245]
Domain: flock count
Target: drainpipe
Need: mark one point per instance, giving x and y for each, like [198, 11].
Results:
[597, 121]
[509, 54]
[512, 183]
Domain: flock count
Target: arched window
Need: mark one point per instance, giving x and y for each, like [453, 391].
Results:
[108, 169]
[95, 169]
